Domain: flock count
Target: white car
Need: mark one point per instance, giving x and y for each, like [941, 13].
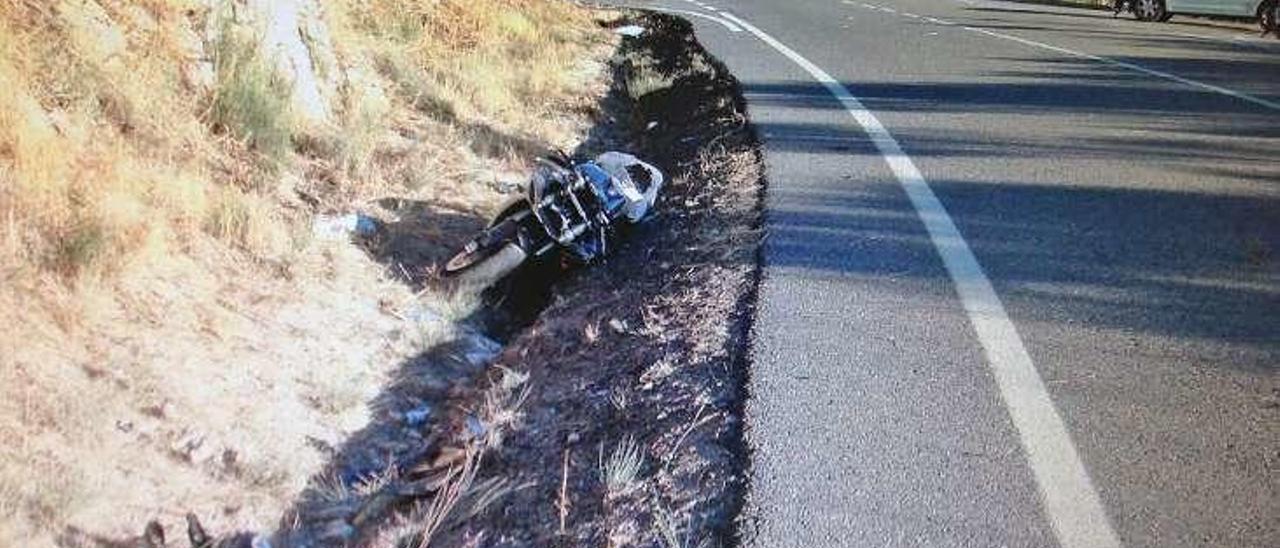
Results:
[1267, 12]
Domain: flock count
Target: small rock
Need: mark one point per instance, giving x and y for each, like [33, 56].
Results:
[482, 350]
[124, 426]
[159, 410]
[420, 314]
[418, 415]
[230, 459]
[337, 532]
[617, 325]
[574, 437]
[192, 448]
[476, 427]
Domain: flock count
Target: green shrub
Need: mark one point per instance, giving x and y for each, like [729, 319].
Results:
[251, 99]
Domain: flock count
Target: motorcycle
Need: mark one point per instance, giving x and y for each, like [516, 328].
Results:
[572, 208]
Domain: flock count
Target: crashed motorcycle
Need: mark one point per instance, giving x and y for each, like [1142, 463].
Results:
[572, 209]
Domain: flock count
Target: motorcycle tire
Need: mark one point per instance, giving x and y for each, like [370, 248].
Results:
[485, 266]
[1150, 10]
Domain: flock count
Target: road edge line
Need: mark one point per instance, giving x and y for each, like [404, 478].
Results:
[1070, 501]
[728, 25]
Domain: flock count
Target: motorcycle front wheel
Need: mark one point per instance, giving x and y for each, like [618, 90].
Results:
[489, 256]
[483, 267]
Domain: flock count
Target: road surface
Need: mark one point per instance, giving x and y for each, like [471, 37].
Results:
[1022, 275]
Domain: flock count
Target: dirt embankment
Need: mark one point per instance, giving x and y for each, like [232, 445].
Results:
[174, 333]
[611, 416]
[189, 342]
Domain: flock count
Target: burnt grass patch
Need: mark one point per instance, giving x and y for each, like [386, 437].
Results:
[631, 430]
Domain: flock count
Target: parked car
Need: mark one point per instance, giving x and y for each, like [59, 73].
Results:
[1267, 12]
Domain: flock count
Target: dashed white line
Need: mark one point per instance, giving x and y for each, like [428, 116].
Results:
[1098, 58]
[1070, 501]
[1132, 66]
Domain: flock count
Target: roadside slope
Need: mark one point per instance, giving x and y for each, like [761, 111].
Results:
[177, 334]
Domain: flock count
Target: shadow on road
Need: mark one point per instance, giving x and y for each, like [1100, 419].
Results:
[1131, 255]
[1102, 257]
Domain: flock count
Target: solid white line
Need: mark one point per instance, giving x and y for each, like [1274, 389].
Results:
[1249, 41]
[1134, 67]
[1070, 501]
[732, 27]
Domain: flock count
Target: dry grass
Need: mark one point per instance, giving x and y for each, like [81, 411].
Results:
[475, 60]
[163, 305]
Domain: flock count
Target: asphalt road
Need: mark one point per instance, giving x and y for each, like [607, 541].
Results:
[1076, 343]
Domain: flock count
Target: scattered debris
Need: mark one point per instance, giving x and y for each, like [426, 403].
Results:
[340, 227]
[630, 31]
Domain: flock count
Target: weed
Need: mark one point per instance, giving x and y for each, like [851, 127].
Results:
[251, 99]
[376, 481]
[673, 531]
[77, 250]
[330, 488]
[621, 471]
[364, 122]
[501, 407]
[618, 399]
[461, 497]
[245, 219]
[647, 82]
